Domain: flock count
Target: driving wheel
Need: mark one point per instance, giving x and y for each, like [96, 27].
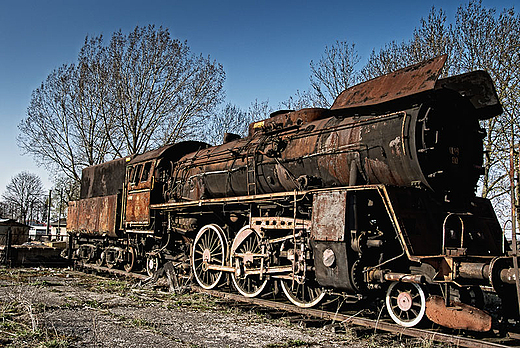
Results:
[246, 254]
[208, 250]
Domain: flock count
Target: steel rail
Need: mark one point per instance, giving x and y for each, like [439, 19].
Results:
[457, 341]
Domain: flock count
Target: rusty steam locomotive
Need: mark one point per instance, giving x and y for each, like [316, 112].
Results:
[374, 197]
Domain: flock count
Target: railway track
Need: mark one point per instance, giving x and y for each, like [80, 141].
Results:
[512, 340]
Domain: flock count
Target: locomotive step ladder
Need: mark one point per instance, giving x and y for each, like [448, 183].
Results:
[251, 169]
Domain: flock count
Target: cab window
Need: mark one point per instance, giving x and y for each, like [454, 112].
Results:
[146, 171]
[136, 174]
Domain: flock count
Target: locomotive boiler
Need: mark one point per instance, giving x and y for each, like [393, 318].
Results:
[373, 198]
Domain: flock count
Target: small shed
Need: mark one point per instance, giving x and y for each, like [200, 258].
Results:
[19, 232]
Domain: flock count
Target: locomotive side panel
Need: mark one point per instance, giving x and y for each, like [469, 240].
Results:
[103, 179]
[138, 208]
[98, 211]
[94, 217]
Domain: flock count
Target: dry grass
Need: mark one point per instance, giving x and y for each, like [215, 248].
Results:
[21, 315]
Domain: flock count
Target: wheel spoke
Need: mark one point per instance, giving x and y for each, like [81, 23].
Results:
[214, 244]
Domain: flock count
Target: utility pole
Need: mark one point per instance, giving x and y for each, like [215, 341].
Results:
[7, 250]
[514, 215]
[49, 214]
[58, 234]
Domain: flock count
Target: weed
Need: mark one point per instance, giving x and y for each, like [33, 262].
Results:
[93, 304]
[143, 323]
[56, 343]
[289, 344]
[193, 301]
[44, 283]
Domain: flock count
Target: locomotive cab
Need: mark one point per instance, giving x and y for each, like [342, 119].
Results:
[147, 182]
[140, 191]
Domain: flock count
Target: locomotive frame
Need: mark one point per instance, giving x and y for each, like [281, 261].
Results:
[373, 198]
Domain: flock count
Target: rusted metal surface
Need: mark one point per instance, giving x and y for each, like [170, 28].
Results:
[361, 185]
[404, 82]
[139, 191]
[287, 119]
[94, 216]
[476, 270]
[103, 179]
[169, 151]
[338, 151]
[457, 316]
[253, 198]
[138, 207]
[279, 222]
[72, 216]
[379, 275]
[473, 270]
[478, 88]
[321, 154]
[329, 216]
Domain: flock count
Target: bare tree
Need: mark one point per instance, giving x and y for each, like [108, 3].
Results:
[55, 132]
[161, 92]
[140, 91]
[391, 57]
[479, 39]
[63, 191]
[25, 192]
[300, 100]
[259, 110]
[490, 41]
[334, 73]
[432, 38]
[4, 210]
[331, 75]
[231, 119]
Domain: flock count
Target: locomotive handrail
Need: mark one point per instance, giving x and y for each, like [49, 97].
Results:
[245, 199]
[405, 246]
[443, 249]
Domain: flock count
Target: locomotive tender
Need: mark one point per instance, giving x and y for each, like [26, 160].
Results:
[372, 198]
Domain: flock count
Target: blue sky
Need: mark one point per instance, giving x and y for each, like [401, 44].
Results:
[265, 46]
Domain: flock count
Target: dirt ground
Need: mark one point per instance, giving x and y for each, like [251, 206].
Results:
[65, 308]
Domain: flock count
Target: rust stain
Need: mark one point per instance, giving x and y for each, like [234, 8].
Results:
[457, 316]
[401, 83]
[329, 216]
[138, 207]
[93, 216]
